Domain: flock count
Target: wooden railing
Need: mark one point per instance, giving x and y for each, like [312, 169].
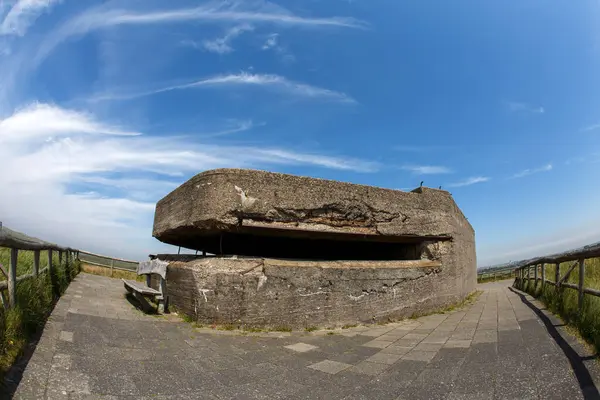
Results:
[18, 241]
[535, 269]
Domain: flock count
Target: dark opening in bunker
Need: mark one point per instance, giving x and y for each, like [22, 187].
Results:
[307, 245]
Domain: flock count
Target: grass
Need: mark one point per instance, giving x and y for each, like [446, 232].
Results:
[116, 273]
[35, 299]
[465, 302]
[565, 302]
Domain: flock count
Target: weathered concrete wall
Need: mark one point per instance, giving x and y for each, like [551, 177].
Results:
[265, 292]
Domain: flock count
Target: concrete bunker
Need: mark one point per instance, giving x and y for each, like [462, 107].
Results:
[297, 251]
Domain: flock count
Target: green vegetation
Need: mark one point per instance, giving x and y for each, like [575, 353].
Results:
[565, 301]
[282, 329]
[348, 326]
[35, 299]
[115, 273]
[492, 277]
[252, 329]
[227, 327]
[470, 299]
[311, 328]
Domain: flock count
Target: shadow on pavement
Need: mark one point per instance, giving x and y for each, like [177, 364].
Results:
[586, 383]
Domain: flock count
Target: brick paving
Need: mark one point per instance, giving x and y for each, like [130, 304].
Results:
[96, 345]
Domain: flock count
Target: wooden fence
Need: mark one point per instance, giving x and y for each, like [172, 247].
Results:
[16, 241]
[497, 273]
[535, 269]
[113, 263]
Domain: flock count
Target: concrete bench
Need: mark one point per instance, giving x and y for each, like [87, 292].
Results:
[144, 292]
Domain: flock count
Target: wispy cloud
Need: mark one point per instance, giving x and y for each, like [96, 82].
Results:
[235, 127]
[261, 12]
[470, 181]
[527, 172]
[23, 14]
[258, 80]
[524, 108]
[427, 169]
[222, 45]
[419, 149]
[272, 43]
[591, 128]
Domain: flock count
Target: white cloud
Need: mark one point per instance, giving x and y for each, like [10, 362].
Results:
[271, 41]
[526, 172]
[222, 45]
[427, 169]
[524, 107]
[23, 14]
[46, 177]
[261, 12]
[27, 124]
[470, 181]
[260, 80]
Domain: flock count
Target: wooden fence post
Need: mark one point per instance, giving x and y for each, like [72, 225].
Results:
[112, 266]
[557, 275]
[12, 278]
[535, 277]
[543, 276]
[36, 262]
[581, 282]
[50, 263]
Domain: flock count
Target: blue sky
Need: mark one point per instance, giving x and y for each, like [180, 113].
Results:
[105, 108]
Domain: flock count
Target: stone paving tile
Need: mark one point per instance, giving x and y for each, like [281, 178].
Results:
[384, 358]
[97, 346]
[457, 344]
[396, 349]
[428, 346]
[379, 344]
[301, 347]
[66, 336]
[419, 355]
[330, 367]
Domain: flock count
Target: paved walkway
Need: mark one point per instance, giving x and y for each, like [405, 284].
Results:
[97, 346]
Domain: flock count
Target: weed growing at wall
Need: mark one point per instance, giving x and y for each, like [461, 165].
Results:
[35, 300]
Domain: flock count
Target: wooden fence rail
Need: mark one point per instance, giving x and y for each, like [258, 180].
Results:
[524, 274]
[16, 241]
